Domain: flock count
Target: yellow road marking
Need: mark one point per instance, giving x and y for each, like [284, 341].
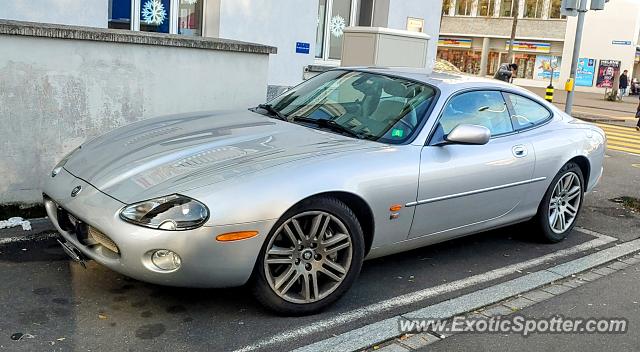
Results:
[623, 144]
[622, 149]
[619, 137]
[612, 127]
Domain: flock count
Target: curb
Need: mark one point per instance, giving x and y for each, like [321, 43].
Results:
[385, 330]
[42, 229]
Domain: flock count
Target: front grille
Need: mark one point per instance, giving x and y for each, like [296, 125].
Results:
[103, 239]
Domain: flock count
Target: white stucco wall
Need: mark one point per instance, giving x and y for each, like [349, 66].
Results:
[279, 23]
[91, 13]
[57, 93]
[620, 20]
[429, 10]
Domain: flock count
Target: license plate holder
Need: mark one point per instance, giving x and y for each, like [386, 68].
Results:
[73, 252]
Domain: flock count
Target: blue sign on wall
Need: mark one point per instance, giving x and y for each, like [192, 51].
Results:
[585, 72]
[303, 48]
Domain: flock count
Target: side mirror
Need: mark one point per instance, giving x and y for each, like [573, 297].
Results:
[469, 134]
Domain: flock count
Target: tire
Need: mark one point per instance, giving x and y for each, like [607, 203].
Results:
[563, 201]
[285, 284]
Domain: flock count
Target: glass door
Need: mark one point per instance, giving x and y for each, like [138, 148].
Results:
[338, 21]
[333, 17]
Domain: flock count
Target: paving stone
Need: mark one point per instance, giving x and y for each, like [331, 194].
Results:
[573, 283]
[604, 271]
[632, 260]
[497, 310]
[537, 295]
[556, 289]
[589, 276]
[519, 303]
[618, 265]
[394, 347]
[419, 340]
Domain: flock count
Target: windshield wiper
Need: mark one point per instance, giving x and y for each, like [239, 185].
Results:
[331, 125]
[273, 111]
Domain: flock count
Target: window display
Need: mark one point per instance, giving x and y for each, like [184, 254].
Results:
[190, 17]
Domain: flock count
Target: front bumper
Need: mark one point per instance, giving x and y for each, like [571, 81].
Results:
[205, 261]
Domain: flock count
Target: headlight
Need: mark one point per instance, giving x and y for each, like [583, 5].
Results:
[56, 170]
[172, 213]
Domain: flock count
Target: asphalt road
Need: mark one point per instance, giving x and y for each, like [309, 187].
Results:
[58, 305]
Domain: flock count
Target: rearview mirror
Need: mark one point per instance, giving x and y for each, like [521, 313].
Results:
[469, 134]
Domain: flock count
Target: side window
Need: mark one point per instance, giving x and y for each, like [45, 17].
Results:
[484, 108]
[527, 112]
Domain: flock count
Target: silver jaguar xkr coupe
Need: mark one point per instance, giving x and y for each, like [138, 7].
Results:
[290, 197]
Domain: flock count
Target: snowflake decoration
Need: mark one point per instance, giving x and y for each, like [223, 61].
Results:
[153, 12]
[189, 2]
[337, 26]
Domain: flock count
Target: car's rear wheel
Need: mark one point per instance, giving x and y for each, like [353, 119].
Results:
[561, 205]
[311, 258]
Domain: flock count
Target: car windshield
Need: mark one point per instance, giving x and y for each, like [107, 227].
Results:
[364, 105]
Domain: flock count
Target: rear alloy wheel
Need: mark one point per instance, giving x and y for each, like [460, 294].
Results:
[311, 259]
[561, 205]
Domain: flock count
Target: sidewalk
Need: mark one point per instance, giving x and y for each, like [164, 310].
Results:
[611, 296]
[593, 108]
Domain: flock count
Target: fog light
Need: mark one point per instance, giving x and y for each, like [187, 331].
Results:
[165, 259]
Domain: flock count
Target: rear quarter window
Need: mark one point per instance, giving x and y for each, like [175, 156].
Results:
[526, 112]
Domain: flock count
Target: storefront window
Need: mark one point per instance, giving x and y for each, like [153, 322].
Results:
[322, 13]
[466, 60]
[120, 14]
[485, 8]
[154, 15]
[506, 8]
[190, 17]
[533, 8]
[526, 65]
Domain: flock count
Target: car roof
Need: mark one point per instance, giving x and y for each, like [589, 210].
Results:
[442, 80]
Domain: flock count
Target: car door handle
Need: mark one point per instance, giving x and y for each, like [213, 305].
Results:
[520, 151]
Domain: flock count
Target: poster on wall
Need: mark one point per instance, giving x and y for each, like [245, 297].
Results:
[606, 71]
[585, 72]
[545, 65]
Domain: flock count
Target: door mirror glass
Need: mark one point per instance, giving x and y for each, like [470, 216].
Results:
[469, 134]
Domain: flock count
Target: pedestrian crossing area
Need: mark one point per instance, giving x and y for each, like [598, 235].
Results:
[621, 138]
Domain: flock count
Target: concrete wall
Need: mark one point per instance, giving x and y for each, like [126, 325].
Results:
[620, 20]
[501, 27]
[279, 23]
[91, 13]
[429, 10]
[57, 93]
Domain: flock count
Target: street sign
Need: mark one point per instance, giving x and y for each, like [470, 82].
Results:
[621, 42]
[303, 48]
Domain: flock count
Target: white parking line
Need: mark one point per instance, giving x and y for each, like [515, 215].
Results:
[421, 295]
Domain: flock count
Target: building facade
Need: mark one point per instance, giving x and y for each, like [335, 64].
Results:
[306, 33]
[475, 34]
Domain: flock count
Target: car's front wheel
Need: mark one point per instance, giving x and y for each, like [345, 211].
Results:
[311, 258]
[559, 209]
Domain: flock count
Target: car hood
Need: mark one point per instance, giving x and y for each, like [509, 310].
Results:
[173, 154]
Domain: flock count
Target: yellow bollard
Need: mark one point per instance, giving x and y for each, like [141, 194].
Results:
[548, 96]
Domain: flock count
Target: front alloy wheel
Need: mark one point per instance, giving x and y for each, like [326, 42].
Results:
[311, 258]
